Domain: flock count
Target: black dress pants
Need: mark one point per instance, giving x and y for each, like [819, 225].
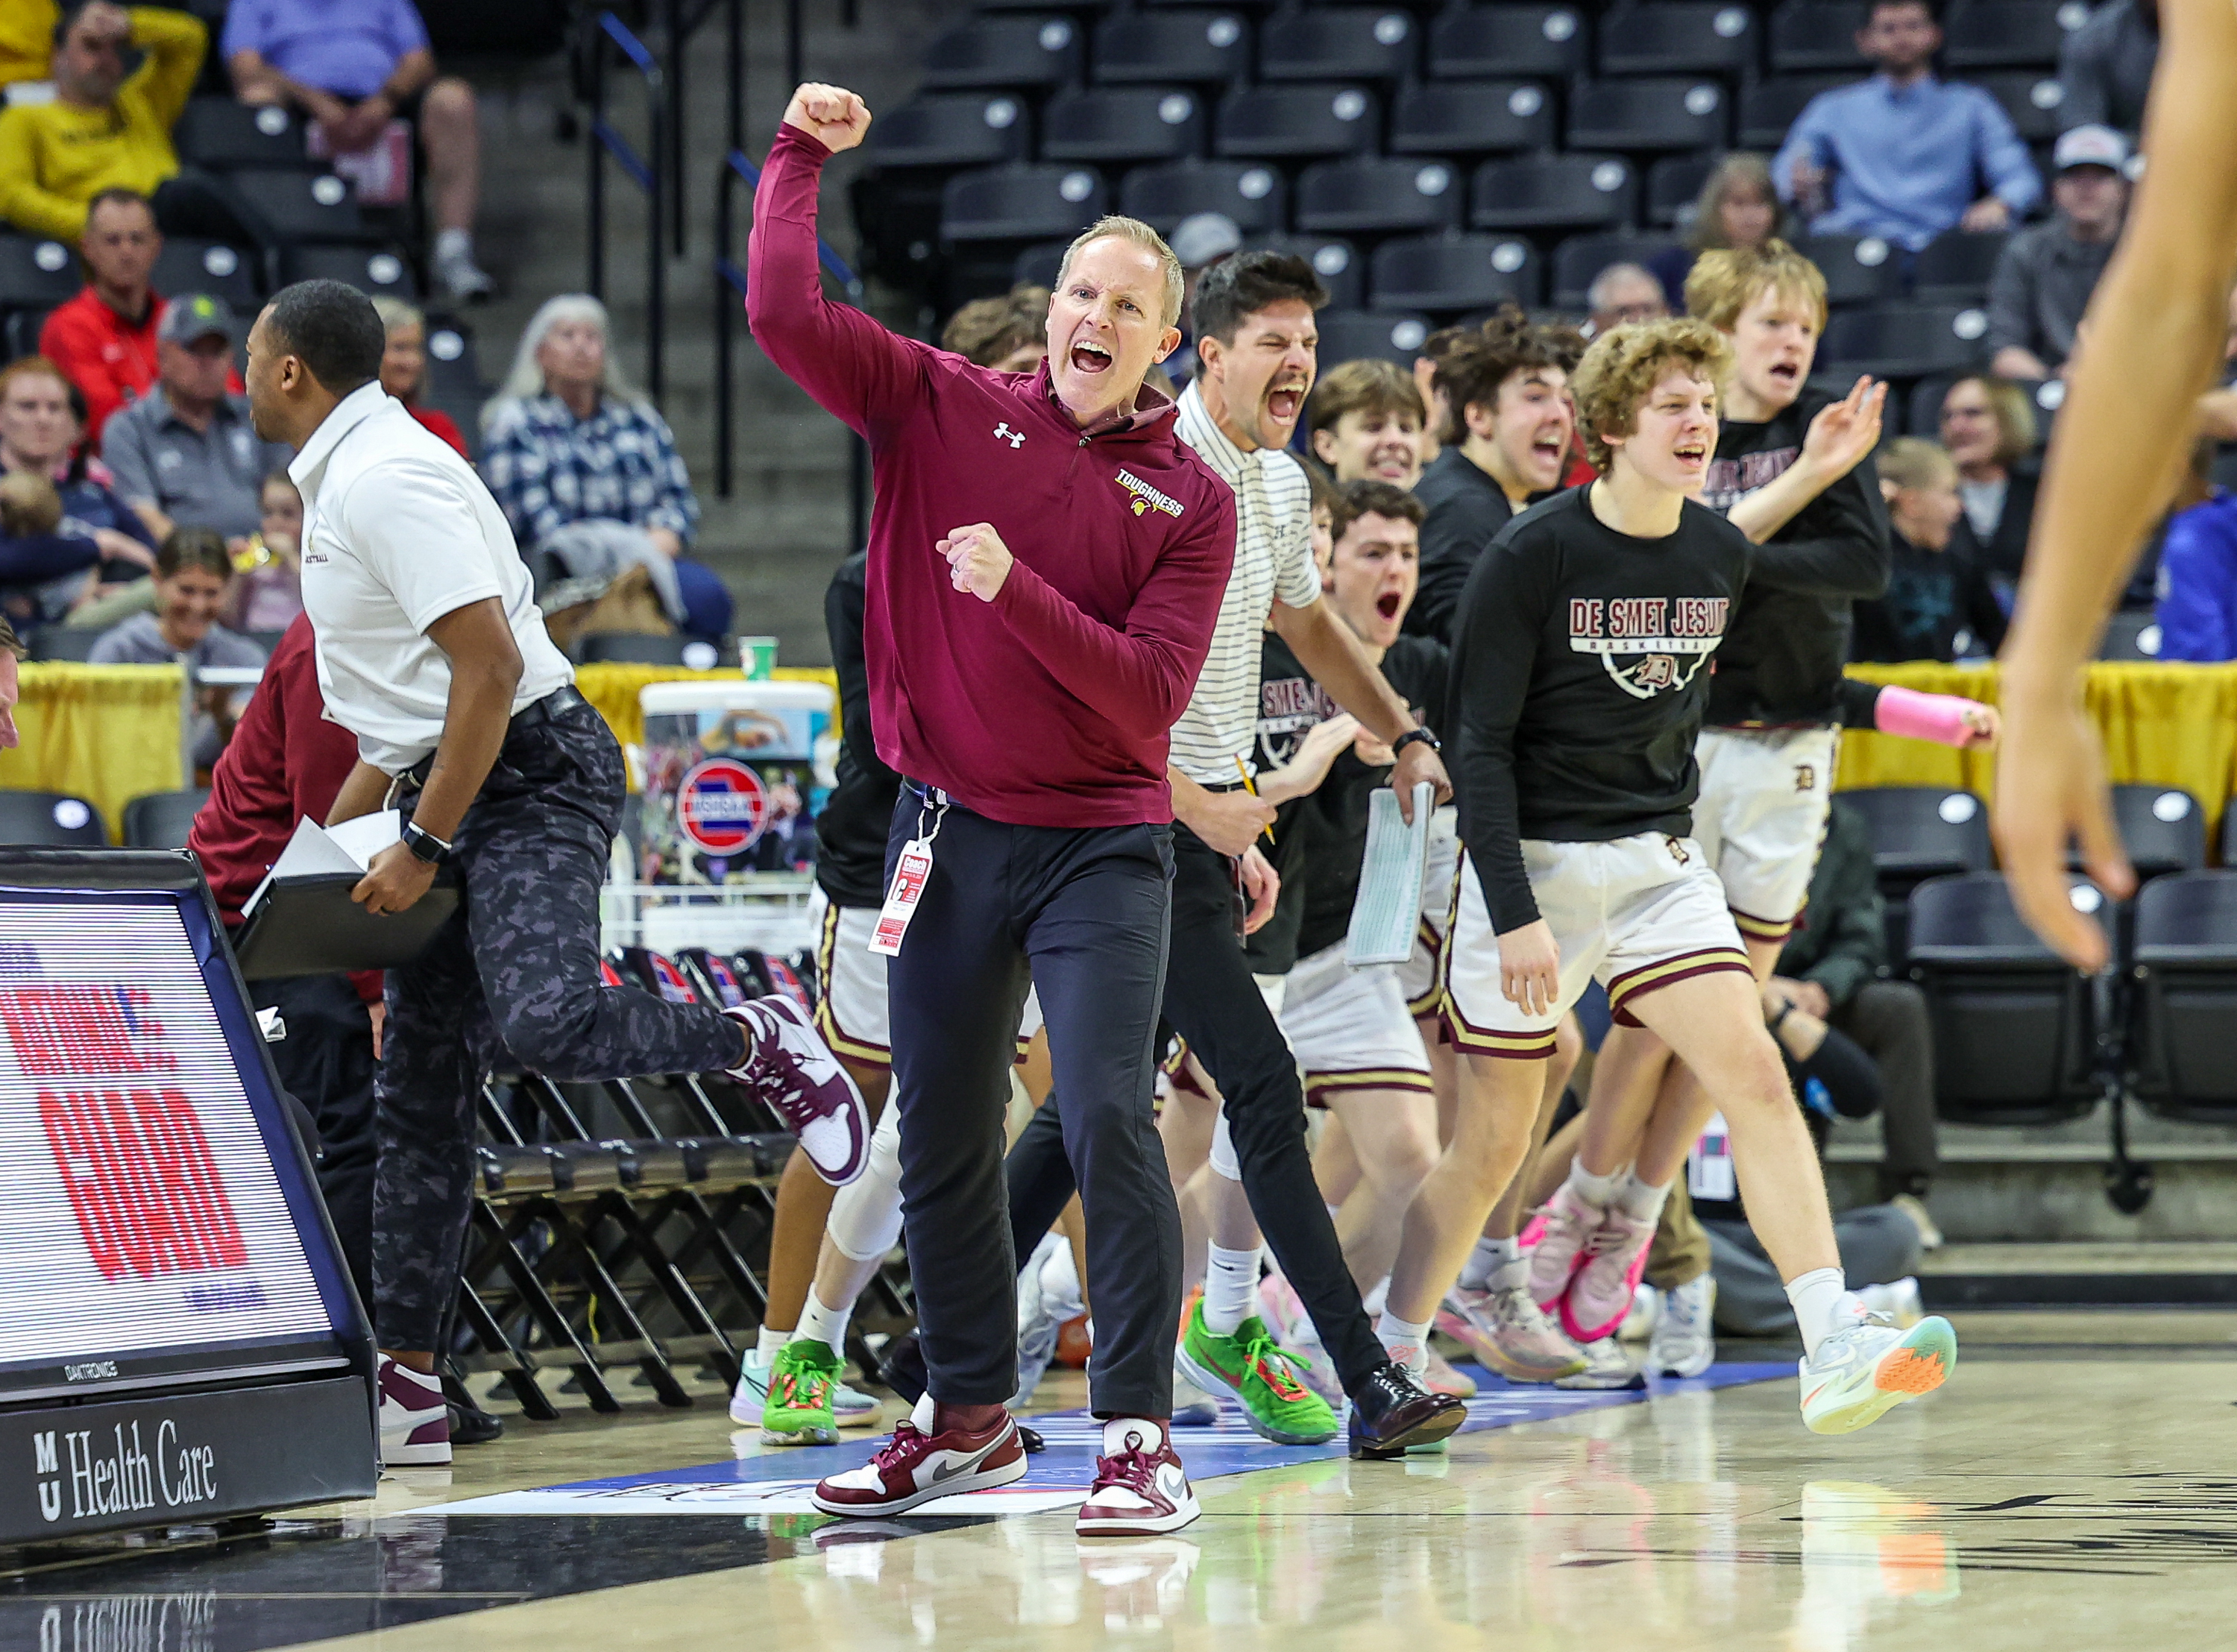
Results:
[1214, 1004]
[1081, 914]
[325, 1062]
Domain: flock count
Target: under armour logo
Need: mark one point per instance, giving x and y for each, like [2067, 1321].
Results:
[1004, 433]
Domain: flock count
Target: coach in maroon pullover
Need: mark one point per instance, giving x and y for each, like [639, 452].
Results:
[1046, 561]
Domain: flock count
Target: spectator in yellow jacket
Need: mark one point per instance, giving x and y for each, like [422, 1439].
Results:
[27, 40]
[105, 129]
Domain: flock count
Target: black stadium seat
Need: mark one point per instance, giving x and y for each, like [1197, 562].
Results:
[372, 271]
[35, 274]
[1674, 184]
[1336, 261]
[2132, 636]
[1770, 106]
[1917, 832]
[1455, 272]
[51, 819]
[1256, 197]
[1037, 265]
[161, 819]
[990, 52]
[1678, 37]
[951, 130]
[189, 265]
[65, 642]
[1348, 335]
[225, 135]
[1347, 43]
[1473, 41]
[1657, 112]
[1859, 269]
[1580, 258]
[630, 648]
[302, 206]
[1902, 341]
[1955, 268]
[1471, 117]
[1553, 192]
[1348, 197]
[2184, 976]
[2032, 99]
[2010, 1019]
[1806, 35]
[1158, 49]
[1297, 123]
[1019, 203]
[2007, 33]
[2162, 827]
[1117, 125]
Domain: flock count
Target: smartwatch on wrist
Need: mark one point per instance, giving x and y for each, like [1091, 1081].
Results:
[425, 845]
[1410, 736]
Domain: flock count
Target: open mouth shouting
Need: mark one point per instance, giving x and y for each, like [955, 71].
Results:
[1387, 604]
[1692, 453]
[1787, 375]
[1285, 401]
[1088, 356]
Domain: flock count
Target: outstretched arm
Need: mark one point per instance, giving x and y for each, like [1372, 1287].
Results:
[2156, 326]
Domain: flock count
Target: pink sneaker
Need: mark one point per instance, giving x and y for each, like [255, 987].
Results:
[1563, 1226]
[794, 1074]
[915, 1466]
[1142, 1492]
[415, 1422]
[1601, 1292]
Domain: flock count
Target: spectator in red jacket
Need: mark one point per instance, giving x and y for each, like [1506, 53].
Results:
[104, 339]
[403, 368]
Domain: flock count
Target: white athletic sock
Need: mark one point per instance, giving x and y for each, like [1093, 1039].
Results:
[1231, 1280]
[453, 243]
[1596, 1191]
[825, 1325]
[1377, 1300]
[1487, 1259]
[1149, 1433]
[1640, 1200]
[769, 1341]
[1818, 1297]
[1408, 1343]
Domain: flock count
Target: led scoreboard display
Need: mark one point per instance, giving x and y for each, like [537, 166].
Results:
[179, 1341]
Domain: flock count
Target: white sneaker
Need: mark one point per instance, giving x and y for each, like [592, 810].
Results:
[415, 1421]
[1898, 1301]
[1930, 1236]
[1866, 1369]
[1192, 1406]
[1606, 1366]
[1514, 1336]
[1645, 1309]
[850, 1407]
[1684, 1343]
[466, 281]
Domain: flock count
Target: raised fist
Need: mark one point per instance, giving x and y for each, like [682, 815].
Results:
[831, 114]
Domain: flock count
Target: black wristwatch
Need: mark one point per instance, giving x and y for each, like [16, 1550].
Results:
[424, 844]
[1410, 736]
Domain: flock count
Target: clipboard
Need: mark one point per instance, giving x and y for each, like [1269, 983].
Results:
[308, 924]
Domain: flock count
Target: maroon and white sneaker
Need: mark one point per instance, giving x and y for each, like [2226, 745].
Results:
[794, 1073]
[415, 1422]
[923, 1461]
[1140, 1488]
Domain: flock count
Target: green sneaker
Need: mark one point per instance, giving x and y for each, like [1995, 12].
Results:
[798, 1409]
[1251, 1366]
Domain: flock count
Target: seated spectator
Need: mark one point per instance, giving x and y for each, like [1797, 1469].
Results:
[186, 456]
[1987, 427]
[98, 543]
[1009, 333]
[1625, 292]
[1363, 420]
[352, 69]
[108, 130]
[2046, 273]
[1937, 605]
[104, 339]
[267, 586]
[1834, 971]
[403, 368]
[587, 469]
[2106, 66]
[2198, 572]
[1738, 207]
[1438, 432]
[1898, 155]
[27, 40]
[191, 571]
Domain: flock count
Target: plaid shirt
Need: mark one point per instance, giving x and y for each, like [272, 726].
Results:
[547, 467]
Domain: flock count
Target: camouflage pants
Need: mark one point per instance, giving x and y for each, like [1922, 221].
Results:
[516, 971]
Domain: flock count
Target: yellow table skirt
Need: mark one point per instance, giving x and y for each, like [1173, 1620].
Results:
[109, 733]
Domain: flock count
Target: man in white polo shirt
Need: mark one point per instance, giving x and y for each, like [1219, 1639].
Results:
[432, 654]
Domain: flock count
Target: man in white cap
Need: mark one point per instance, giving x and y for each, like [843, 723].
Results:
[2046, 273]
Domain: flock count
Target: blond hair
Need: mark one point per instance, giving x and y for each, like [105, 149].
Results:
[1739, 170]
[1134, 230]
[1371, 387]
[1625, 364]
[1726, 279]
[1914, 461]
[2012, 409]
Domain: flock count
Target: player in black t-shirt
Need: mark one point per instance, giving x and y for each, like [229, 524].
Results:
[1580, 681]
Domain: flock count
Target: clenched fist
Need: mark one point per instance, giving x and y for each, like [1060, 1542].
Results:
[831, 114]
[978, 561]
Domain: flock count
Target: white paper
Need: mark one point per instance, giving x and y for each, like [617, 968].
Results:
[315, 849]
[1387, 909]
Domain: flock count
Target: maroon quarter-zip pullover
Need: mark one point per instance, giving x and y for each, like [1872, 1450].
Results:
[1050, 705]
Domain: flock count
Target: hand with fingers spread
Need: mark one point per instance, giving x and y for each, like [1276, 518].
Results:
[832, 113]
[1846, 430]
[978, 561]
[2050, 790]
[1530, 968]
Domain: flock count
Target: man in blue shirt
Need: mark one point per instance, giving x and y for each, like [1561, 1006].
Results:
[352, 66]
[1905, 156]
[2198, 570]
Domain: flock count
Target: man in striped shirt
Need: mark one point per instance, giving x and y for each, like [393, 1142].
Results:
[1255, 339]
